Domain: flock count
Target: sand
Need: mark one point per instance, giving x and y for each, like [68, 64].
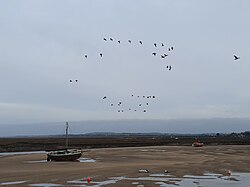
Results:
[117, 162]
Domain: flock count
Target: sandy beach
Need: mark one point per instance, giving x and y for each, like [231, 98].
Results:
[101, 164]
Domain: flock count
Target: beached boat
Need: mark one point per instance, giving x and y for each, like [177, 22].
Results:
[197, 143]
[65, 154]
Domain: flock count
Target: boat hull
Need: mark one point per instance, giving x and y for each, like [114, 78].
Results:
[67, 156]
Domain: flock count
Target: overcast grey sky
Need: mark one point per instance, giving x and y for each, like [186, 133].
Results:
[42, 44]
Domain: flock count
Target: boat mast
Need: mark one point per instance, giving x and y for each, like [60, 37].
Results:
[67, 129]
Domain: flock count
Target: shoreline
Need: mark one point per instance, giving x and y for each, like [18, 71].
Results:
[48, 143]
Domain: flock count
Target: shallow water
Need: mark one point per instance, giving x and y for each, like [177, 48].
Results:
[165, 180]
[36, 161]
[46, 184]
[21, 153]
[12, 183]
[86, 160]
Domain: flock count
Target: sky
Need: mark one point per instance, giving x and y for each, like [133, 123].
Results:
[42, 48]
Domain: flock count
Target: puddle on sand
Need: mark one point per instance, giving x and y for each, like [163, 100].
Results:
[46, 184]
[45, 161]
[86, 160]
[21, 153]
[36, 161]
[12, 183]
[160, 175]
[165, 180]
[92, 183]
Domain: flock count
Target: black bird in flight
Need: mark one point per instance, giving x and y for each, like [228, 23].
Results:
[86, 56]
[169, 49]
[146, 103]
[112, 104]
[162, 44]
[144, 110]
[100, 54]
[70, 80]
[104, 39]
[76, 80]
[172, 48]
[140, 42]
[155, 44]
[111, 39]
[153, 96]
[105, 97]
[119, 41]
[162, 56]
[236, 57]
[129, 41]
[139, 104]
[169, 67]
[154, 54]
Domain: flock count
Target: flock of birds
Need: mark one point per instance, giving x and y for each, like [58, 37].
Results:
[162, 56]
[140, 103]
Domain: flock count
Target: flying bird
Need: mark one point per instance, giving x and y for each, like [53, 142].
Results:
[104, 97]
[112, 104]
[155, 44]
[172, 48]
[86, 56]
[129, 41]
[165, 55]
[76, 80]
[70, 80]
[162, 56]
[111, 39]
[100, 54]
[154, 54]
[104, 39]
[169, 67]
[119, 41]
[140, 42]
[162, 44]
[236, 57]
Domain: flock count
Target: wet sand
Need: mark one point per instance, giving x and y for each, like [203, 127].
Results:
[118, 162]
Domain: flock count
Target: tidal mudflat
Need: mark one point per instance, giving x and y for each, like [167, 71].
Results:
[185, 166]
